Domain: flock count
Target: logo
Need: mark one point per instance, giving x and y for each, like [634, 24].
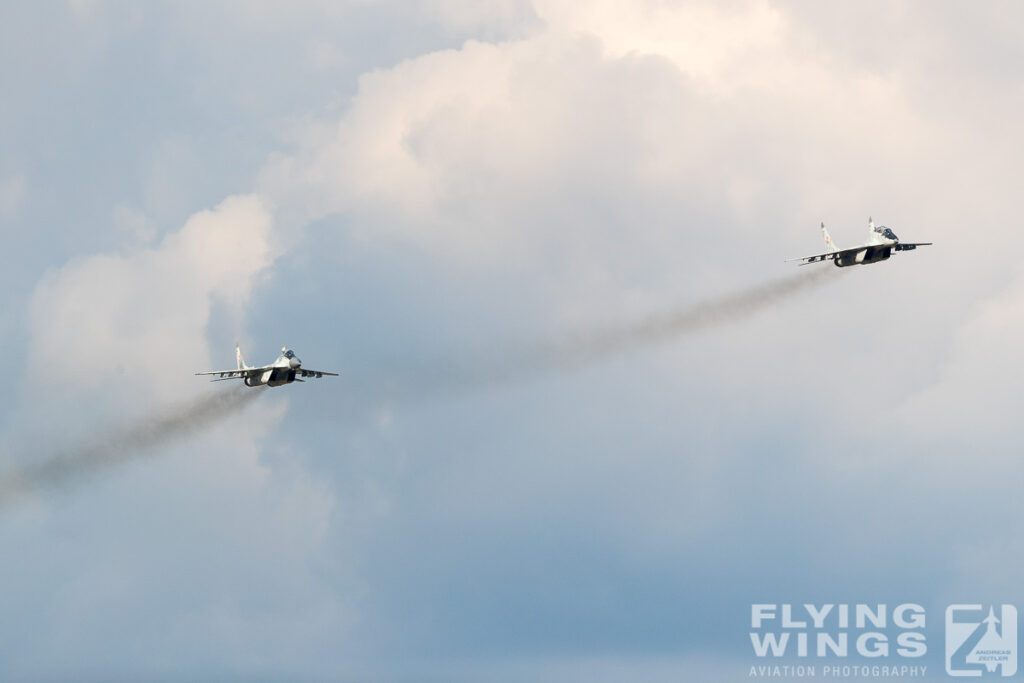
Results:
[981, 641]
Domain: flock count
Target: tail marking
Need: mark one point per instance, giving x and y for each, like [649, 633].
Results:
[830, 246]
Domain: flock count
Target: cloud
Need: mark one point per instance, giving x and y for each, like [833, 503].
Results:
[220, 517]
[200, 556]
[46, 471]
[599, 123]
[602, 171]
[599, 168]
[600, 162]
[712, 42]
[140, 319]
[975, 386]
[114, 340]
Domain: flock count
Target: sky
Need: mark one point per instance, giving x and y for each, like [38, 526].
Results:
[419, 195]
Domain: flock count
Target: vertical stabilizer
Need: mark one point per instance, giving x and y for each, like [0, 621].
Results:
[874, 234]
[830, 247]
[238, 357]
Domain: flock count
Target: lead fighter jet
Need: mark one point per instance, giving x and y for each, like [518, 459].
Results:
[286, 369]
[881, 243]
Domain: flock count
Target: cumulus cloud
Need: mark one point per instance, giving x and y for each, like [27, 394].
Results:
[604, 120]
[691, 143]
[140, 314]
[612, 160]
[974, 390]
[616, 172]
[128, 331]
[114, 341]
[711, 42]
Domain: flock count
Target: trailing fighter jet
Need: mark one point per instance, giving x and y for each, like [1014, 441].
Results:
[880, 245]
[287, 368]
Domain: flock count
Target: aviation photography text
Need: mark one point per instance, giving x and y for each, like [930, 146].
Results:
[838, 640]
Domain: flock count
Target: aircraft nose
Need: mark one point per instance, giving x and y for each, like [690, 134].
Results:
[294, 362]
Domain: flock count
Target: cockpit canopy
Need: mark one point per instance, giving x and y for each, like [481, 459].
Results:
[289, 353]
[886, 233]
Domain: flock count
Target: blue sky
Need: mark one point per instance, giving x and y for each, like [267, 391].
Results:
[412, 194]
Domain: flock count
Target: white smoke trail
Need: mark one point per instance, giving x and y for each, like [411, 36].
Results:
[68, 466]
[600, 342]
[510, 363]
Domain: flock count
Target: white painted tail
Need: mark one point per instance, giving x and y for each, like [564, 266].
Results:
[830, 247]
[238, 357]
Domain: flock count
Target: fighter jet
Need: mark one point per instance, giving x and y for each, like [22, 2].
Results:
[881, 243]
[286, 369]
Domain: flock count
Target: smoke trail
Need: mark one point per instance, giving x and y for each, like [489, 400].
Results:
[517, 362]
[128, 442]
[598, 343]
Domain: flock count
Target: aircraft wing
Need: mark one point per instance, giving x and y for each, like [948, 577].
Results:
[899, 246]
[303, 372]
[235, 374]
[820, 257]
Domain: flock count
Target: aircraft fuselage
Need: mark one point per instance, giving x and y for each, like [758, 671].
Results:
[274, 377]
[871, 254]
